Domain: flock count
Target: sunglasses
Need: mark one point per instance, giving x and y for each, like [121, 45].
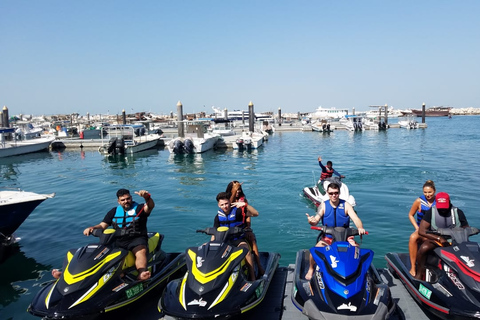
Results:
[334, 193]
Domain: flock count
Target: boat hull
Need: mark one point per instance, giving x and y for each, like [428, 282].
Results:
[13, 148]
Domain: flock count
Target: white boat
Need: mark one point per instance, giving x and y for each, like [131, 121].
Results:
[322, 126]
[197, 139]
[328, 113]
[391, 112]
[15, 207]
[353, 123]
[17, 147]
[408, 123]
[122, 140]
[249, 140]
[317, 195]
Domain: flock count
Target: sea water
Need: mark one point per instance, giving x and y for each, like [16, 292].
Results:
[384, 171]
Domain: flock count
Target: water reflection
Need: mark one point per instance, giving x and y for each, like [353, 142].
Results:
[10, 166]
[119, 161]
[18, 273]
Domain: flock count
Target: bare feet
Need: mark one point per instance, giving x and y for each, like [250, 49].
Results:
[56, 273]
[143, 275]
[309, 274]
[412, 272]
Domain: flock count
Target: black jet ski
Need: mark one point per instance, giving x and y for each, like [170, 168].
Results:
[101, 277]
[216, 284]
[344, 285]
[451, 289]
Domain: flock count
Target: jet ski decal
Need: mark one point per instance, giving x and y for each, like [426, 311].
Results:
[345, 307]
[427, 293]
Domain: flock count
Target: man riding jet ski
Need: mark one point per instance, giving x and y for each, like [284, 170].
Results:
[345, 282]
[102, 277]
[448, 264]
[216, 283]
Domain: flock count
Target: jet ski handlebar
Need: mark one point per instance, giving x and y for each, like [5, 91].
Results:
[457, 234]
[222, 233]
[338, 233]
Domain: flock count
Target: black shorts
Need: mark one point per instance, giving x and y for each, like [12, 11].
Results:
[129, 243]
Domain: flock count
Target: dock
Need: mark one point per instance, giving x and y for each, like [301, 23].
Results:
[169, 133]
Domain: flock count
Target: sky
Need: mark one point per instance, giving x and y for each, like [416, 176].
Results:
[106, 56]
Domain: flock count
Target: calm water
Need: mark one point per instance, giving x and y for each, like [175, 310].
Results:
[385, 172]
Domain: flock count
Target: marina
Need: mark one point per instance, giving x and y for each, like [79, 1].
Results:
[273, 176]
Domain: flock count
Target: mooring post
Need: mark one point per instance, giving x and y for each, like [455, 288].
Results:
[124, 117]
[423, 112]
[181, 128]
[251, 117]
[279, 117]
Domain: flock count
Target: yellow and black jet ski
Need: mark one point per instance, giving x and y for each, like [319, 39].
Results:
[102, 277]
[216, 284]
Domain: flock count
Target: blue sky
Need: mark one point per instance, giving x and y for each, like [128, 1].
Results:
[107, 56]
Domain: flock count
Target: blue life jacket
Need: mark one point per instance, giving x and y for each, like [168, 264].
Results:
[231, 221]
[335, 217]
[123, 220]
[424, 207]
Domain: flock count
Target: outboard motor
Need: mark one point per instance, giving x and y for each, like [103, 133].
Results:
[178, 146]
[112, 145]
[328, 127]
[247, 143]
[239, 142]
[120, 146]
[324, 127]
[189, 146]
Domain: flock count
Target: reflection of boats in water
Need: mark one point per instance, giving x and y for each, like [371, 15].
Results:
[18, 271]
[123, 160]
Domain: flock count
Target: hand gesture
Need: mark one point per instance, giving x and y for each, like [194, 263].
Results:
[144, 194]
[319, 158]
[312, 219]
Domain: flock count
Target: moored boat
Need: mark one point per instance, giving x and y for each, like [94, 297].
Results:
[433, 112]
[17, 147]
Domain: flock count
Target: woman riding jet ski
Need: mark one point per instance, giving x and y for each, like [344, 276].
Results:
[216, 284]
[447, 282]
[345, 282]
[99, 278]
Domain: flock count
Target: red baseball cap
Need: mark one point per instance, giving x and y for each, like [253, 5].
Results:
[443, 200]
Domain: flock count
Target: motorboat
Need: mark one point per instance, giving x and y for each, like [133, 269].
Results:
[317, 194]
[126, 140]
[16, 147]
[16, 206]
[249, 140]
[353, 123]
[322, 126]
[345, 283]
[408, 123]
[101, 277]
[197, 139]
[451, 287]
[215, 284]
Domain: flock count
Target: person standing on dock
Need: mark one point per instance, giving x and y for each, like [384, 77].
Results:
[327, 171]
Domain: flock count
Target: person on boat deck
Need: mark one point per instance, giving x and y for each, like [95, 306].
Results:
[133, 217]
[235, 192]
[442, 215]
[421, 205]
[235, 215]
[327, 171]
[333, 213]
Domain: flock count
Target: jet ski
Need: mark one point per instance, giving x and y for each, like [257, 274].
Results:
[451, 289]
[216, 284]
[344, 284]
[101, 277]
[317, 194]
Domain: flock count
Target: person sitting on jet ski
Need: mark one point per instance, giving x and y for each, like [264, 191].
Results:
[442, 215]
[334, 213]
[233, 216]
[327, 171]
[133, 217]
